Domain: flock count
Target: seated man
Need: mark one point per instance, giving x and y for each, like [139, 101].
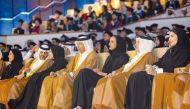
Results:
[19, 29]
[11, 88]
[56, 91]
[113, 87]
[139, 86]
[87, 79]
[30, 95]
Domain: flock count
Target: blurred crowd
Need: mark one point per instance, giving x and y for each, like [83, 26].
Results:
[159, 35]
[108, 19]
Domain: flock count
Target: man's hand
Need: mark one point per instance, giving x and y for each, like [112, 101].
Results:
[150, 70]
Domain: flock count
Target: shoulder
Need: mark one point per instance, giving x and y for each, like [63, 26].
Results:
[93, 54]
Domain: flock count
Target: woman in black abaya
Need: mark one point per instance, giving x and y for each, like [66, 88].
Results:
[139, 87]
[16, 60]
[29, 97]
[87, 78]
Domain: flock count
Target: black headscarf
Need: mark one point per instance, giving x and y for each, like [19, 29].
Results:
[178, 55]
[162, 40]
[15, 66]
[118, 56]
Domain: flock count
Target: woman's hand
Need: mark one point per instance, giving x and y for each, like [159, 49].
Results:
[96, 70]
[150, 70]
[54, 75]
[99, 72]
[51, 73]
[25, 70]
[102, 74]
[19, 77]
[111, 74]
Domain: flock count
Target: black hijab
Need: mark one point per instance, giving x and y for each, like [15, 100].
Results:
[178, 55]
[162, 40]
[118, 56]
[15, 66]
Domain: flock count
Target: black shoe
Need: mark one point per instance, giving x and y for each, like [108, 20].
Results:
[2, 106]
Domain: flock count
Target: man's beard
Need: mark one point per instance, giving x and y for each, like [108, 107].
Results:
[42, 58]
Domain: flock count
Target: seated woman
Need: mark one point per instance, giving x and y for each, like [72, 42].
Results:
[16, 63]
[138, 91]
[38, 28]
[109, 92]
[88, 78]
[11, 88]
[29, 97]
[56, 91]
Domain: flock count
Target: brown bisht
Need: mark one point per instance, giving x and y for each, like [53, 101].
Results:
[30, 96]
[87, 79]
[139, 87]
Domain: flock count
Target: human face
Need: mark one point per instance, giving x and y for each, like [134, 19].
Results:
[37, 23]
[11, 56]
[15, 47]
[157, 41]
[56, 15]
[76, 13]
[122, 4]
[94, 15]
[123, 34]
[136, 31]
[33, 17]
[112, 43]
[140, 33]
[159, 32]
[128, 13]
[114, 17]
[67, 51]
[1, 46]
[106, 37]
[136, 45]
[103, 8]
[46, 43]
[80, 47]
[89, 8]
[19, 24]
[43, 55]
[31, 47]
[54, 42]
[90, 21]
[184, 12]
[173, 39]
